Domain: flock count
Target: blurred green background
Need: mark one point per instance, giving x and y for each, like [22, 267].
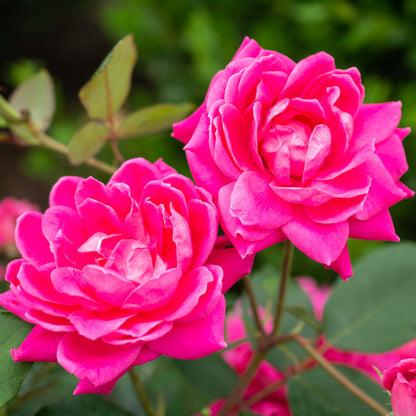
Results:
[182, 44]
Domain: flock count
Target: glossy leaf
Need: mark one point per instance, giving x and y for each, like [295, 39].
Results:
[316, 393]
[36, 97]
[13, 331]
[87, 142]
[152, 120]
[88, 405]
[109, 87]
[374, 311]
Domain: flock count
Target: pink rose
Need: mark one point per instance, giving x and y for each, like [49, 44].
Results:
[114, 275]
[10, 209]
[289, 151]
[400, 380]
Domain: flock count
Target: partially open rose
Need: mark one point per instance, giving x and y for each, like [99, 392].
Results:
[400, 380]
[114, 275]
[290, 151]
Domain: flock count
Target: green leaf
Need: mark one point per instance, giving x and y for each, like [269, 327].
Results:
[152, 120]
[306, 316]
[374, 311]
[210, 374]
[87, 405]
[36, 96]
[109, 87]
[316, 393]
[87, 142]
[13, 331]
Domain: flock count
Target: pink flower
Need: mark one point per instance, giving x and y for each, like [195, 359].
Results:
[10, 209]
[400, 380]
[289, 151]
[114, 275]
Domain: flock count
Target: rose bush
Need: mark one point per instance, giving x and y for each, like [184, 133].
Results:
[400, 380]
[114, 275]
[277, 402]
[289, 151]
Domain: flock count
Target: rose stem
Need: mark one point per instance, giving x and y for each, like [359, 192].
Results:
[254, 306]
[138, 386]
[330, 369]
[61, 148]
[286, 269]
[243, 382]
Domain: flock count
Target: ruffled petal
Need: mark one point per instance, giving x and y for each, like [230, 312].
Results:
[95, 360]
[321, 242]
[196, 339]
[39, 345]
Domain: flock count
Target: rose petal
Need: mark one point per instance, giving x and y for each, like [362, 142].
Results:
[196, 339]
[321, 242]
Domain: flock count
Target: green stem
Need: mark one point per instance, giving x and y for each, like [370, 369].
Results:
[254, 305]
[330, 369]
[61, 148]
[286, 270]
[242, 383]
[141, 392]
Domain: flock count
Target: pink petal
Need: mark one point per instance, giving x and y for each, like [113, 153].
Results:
[246, 240]
[106, 285]
[305, 72]
[195, 339]
[39, 345]
[63, 192]
[204, 170]
[321, 242]
[30, 240]
[233, 266]
[155, 292]
[209, 300]
[383, 192]
[342, 265]
[379, 228]
[377, 121]
[256, 205]
[97, 361]
[184, 129]
[135, 173]
[203, 223]
[93, 326]
[319, 146]
[236, 137]
[391, 153]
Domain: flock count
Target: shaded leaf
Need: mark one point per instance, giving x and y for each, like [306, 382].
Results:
[36, 96]
[87, 142]
[377, 302]
[87, 405]
[316, 393]
[13, 331]
[109, 87]
[210, 374]
[152, 120]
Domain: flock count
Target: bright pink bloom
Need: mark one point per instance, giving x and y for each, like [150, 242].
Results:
[114, 275]
[400, 380]
[10, 209]
[289, 151]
